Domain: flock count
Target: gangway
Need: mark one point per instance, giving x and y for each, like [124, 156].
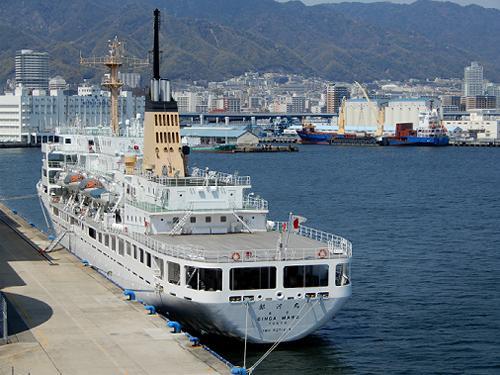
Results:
[55, 242]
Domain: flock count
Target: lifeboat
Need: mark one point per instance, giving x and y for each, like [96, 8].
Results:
[73, 177]
[90, 183]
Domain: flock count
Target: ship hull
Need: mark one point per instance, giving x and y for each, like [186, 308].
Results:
[315, 137]
[415, 141]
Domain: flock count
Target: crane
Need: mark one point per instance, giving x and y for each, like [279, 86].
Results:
[379, 114]
[113, 61]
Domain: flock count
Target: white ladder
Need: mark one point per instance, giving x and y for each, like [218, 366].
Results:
[177, 229]
[55, 242]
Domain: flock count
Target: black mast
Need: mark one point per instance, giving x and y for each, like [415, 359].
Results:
[156, 46]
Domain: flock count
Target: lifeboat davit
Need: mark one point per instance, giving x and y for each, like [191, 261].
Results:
[73, 177]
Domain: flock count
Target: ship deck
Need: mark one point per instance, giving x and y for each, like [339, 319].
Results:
[230, 242]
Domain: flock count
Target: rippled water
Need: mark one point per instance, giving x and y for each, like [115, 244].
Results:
[425, 225]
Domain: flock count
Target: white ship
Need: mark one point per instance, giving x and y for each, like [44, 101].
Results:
[192, 242]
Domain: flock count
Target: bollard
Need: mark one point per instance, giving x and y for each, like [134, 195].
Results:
[175, 325]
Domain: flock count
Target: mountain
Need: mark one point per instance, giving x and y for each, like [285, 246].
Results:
[215, 39]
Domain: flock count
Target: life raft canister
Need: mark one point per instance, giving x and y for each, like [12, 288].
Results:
[322, 253]
[236, 256]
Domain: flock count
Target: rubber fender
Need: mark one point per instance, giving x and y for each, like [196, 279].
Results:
[85, 262]
[239, 371]
[14, 212]
[130, 294]
[194, 340]
[51, 237]
[151, 309]
[175, 325]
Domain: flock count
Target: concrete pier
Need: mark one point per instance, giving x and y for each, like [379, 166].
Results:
[65, 318]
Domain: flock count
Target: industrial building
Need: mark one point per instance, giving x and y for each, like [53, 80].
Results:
[212, 136]
[479, 124]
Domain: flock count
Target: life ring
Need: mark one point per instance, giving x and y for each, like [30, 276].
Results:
[322, 253]
[248, 254]
[236, 256]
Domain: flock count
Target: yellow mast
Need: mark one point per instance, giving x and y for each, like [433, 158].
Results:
[113, 62]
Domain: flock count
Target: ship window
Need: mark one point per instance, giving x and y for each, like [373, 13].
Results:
[305, 276]
[177, 137]
[175, 220]
[208, 279]
[169, 138]
[193, 219]
[141, 255]
[156, 120]
[113, 243]
[252, 278]
[129, 249]
[148, 259]
[92, 233]
[157, 139]
[161, 137]
[67, 141]
[106, 240]
[164, 122]
[174, 273]
[342, 276]
[135, 252]
[208, 219]
[120, 247]
[159, 265]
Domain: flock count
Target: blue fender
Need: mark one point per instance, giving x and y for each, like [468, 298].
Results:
[151, 309]
[130, 294]
[239, 371]
[85, 262]
[175, 325]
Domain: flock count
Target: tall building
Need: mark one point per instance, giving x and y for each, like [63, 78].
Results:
[450, 103]
[232, 105]
[473, 80]
[494, 90]
[130, 80]
[298, 104]
[32, 69]
[479, 102]
[334, 96]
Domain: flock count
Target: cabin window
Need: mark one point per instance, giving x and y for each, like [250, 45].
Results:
[305, 276]
[250, 278]
[148, 259]
[113, 243]
[193, 219]
[158, 262]
[342, 276]
[141, 255]
[100, 237]
[207, 279]
[223, 219]
[92, 233]
[129, 249]
[121, 247]
[174, 273]
[208, 219]
[175, 220]
[67, 141]
[135, 252]
[106, 240]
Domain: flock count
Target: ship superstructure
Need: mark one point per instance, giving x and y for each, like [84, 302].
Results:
[195, 243]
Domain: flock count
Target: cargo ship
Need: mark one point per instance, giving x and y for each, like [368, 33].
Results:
[310, 135]
[430, 132]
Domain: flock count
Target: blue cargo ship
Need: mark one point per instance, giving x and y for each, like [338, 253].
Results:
[309, 135]
[430, 132]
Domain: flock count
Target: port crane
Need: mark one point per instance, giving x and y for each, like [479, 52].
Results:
[113, 61]
[379, 113]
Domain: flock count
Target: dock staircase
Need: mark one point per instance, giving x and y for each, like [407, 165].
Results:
[177, 229]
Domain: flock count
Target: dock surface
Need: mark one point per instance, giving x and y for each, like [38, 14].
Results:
[65, 318]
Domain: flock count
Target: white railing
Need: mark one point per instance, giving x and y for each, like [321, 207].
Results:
[255, 203]
[221, 177]
[336, 244]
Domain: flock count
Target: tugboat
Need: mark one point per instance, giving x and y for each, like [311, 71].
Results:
[430, 132]
[192, 242]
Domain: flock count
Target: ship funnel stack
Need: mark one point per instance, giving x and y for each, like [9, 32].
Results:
[163, 153]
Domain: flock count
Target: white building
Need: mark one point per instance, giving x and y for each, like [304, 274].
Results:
[23, 113]
[473, 80]
[485, 125]
[404, 111]
[361, 115]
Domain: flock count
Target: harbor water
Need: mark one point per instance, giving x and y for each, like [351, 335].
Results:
[425, 227]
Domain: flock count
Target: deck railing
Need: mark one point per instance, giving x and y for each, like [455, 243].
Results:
[4, 334]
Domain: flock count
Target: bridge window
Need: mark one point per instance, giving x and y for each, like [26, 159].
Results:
[120, 246]
[148, 259]
[207, 279]
[193, 219]
[141, 255]
[223, 219]
[251, 278]
[342, 276]
[174, 273]
[129, 249]
[305, 276]
[106, 240]
[92, 233]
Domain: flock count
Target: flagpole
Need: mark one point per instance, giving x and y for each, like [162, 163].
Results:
[288, 225]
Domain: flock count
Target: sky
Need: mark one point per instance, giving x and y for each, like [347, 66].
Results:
[484, 3]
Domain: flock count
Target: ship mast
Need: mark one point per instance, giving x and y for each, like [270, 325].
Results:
[113, 61]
